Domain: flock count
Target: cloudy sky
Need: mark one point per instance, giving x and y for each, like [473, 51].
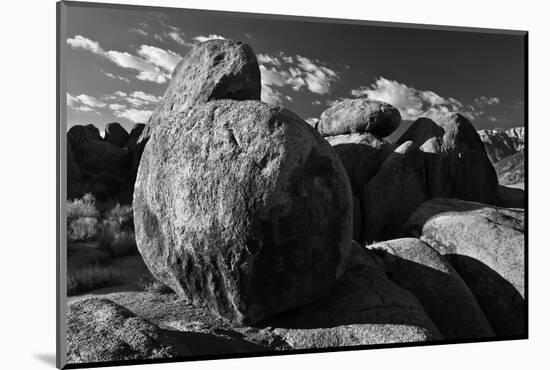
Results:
[119, 63]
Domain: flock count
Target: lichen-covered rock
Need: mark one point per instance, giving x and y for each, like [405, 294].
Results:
[116, 134]
[415, 266]
[359, 116]
[101, 156]
[212, 70]
[397, 189]
[456, 163]
[99, 330]
[361, 154]
[486, 246]
[365, 308]
[79, 134]
[242, 207]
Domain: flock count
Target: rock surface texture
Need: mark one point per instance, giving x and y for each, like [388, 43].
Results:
[415, 266]
[486, 246]
[359, 116]
[99, 330]
[244, 208]
[212, 70]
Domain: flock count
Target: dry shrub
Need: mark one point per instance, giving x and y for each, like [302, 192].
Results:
[90, 278]
[117, 231]
[82, 219]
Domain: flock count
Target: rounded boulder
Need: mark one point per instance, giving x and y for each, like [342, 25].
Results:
[244, 208]
[360, 116]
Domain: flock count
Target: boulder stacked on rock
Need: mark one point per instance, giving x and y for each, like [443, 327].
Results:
[355, 128]
[360, 116]
[212, 70]
[486, 246]
[242, 207]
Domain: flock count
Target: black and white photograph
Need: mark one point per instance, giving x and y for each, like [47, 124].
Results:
[240, 184]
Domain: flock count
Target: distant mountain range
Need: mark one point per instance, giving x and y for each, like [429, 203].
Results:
[505, 149]
[500, 144]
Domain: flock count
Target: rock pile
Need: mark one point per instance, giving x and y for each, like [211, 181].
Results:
[248, 212]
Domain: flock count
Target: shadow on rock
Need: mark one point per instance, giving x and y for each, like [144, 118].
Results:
[503, 305]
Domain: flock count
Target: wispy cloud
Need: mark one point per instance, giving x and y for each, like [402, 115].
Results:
[152, 63]
[207, 38]
[135, 115]
[296, 72]
[84, 103]
[136, 106]
[139, 31]
[116, 77]
[414, 103]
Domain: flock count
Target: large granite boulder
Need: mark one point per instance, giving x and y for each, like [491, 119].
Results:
[486, 246]
[116, 134]
[415, 266]
[456, 163]
[212, 70]
[79, 134]
[366, 307]
[397, 189]
[101, 156]
[99, 330]
[242, 207]
[359, 116]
